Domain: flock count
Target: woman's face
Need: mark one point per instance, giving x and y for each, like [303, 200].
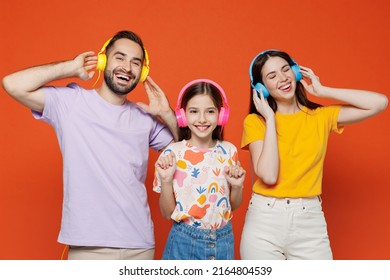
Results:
[279, 78]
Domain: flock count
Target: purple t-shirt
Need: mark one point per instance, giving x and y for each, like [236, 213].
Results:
[105, 151]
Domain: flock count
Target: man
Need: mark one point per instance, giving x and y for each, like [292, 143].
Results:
[104, 140]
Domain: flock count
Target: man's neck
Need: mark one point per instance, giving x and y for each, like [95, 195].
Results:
[111, 97]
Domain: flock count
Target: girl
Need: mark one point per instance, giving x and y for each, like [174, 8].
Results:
[199, 178]
[287, 136]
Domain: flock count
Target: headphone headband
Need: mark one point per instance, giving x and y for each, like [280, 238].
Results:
[105, 45]
[220, 89]
[223, 113]
[253, 62]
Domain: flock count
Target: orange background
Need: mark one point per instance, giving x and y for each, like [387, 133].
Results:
[346, 43]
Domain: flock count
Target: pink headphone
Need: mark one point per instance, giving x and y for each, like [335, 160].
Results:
[223, 113]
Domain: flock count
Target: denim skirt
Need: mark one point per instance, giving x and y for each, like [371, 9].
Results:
[186, 242]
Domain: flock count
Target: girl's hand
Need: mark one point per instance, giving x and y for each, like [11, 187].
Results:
[262, 105]
[235, 175]
[314, 87]
[166, 167]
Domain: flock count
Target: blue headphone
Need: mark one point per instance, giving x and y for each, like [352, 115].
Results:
[294, 67]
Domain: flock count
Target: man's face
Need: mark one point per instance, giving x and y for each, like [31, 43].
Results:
[124, 65]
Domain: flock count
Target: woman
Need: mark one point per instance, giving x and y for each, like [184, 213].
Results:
[287, 137]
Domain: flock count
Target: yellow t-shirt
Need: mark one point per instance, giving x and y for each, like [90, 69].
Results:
[302, 142]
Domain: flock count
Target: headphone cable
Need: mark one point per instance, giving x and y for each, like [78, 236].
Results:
[94, 84]
[63, 251]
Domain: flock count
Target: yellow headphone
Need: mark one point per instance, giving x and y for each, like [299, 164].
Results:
[102, 61]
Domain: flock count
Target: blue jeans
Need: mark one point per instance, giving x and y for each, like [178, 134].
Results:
[190, 243]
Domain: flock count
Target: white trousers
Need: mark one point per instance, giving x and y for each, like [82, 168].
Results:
[285, 229]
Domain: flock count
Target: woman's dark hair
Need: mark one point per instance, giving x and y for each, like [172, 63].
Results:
[201, 88]
[257, 78]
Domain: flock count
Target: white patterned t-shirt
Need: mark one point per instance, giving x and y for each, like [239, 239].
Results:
[200, 187]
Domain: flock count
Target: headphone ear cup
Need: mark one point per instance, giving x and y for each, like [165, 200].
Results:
[144, 73]
[261, 87]
[102, 60]
[145, 68]
[223, 116]
[181, 117]
[298, 75]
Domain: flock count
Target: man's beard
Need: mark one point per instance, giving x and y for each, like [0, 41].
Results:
[108, 78]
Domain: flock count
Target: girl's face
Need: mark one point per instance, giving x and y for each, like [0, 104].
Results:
[202, 119]
[279, 78]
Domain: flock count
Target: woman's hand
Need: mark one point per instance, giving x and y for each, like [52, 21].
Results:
[314, 86]
[262, 105]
